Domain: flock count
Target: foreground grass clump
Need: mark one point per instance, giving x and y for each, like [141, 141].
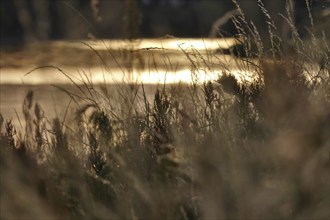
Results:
[218, 150]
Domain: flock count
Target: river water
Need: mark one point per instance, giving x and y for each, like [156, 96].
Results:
[43, 67]
[40, 66]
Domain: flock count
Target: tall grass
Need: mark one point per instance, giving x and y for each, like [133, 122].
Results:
[219, 150]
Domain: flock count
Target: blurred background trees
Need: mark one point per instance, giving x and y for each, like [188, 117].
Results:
[29, 20]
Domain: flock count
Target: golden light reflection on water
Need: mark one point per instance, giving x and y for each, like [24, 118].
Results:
[116, 76]
[195, 60]
[100, 75]
[183, 60]
[162, 43]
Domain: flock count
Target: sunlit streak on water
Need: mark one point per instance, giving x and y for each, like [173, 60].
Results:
[200, 65]
[166, 44]
[117, 76]
[101, 75]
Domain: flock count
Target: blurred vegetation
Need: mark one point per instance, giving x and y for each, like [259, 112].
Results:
[217, 150]
[26, 21]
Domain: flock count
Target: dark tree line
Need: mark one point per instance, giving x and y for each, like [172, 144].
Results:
[29, 20]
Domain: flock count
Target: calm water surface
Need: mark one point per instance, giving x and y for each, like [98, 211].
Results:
[110, 62]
